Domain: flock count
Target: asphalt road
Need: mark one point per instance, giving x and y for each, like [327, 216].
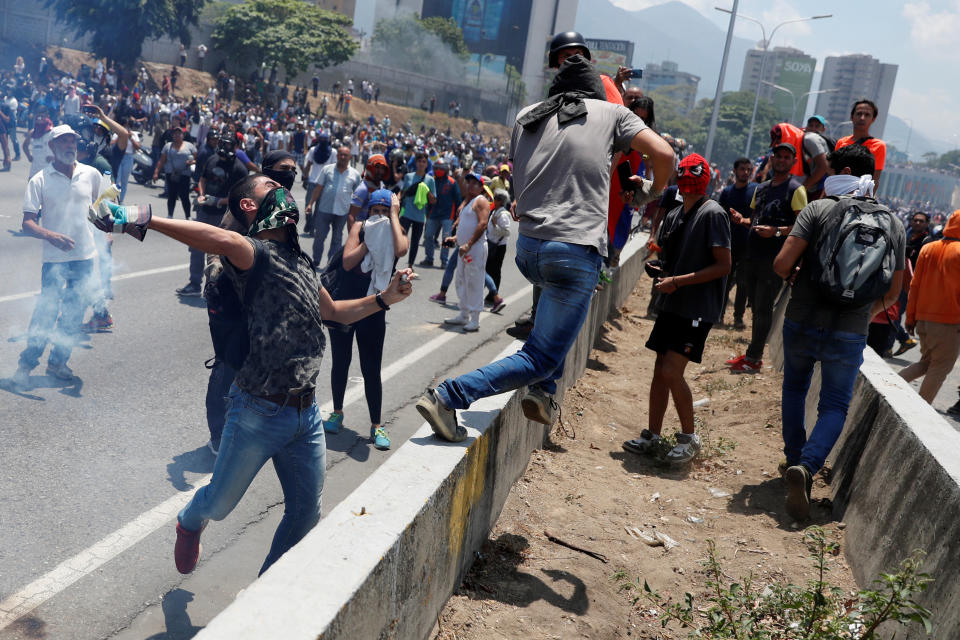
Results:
[87, 458]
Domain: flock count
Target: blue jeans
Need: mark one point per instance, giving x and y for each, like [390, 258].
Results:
[451, 269]
[840, 354]
[568, 274]
[218, 386]
[322, 224]
[257, 430]
[435, 226]
[66, 288]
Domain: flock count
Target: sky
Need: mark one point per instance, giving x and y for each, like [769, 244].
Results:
[919, 36]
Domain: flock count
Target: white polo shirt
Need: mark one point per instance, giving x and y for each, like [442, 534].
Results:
[64, 202]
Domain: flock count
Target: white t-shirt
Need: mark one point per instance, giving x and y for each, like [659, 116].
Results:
[71, 105]
[40, 150]
[64, 202]
[315, 168]
[467, 225]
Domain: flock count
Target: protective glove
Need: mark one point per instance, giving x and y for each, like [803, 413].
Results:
[207, 200]
[643, 192]
[129, 219]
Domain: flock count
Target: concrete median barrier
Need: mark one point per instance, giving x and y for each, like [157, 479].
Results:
[383, 563]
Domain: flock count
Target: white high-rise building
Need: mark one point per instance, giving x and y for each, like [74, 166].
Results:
[784, 66]
[852, 77]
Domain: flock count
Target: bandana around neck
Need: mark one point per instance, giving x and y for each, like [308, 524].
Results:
[844, 184]
[277, 210]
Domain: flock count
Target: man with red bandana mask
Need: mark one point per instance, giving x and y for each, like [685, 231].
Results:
[375, 174]
[695, 259]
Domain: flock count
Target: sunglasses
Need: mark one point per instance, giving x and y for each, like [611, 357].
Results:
[696, 171]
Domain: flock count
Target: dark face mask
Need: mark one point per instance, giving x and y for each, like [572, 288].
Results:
[285, 178]
[276, 210]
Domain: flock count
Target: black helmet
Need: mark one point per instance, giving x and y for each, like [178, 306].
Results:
[564, 40]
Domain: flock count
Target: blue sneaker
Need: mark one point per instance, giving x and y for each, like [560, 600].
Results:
[379, 437]
[333, 422]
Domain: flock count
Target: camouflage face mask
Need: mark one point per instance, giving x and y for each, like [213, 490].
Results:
[277, 210]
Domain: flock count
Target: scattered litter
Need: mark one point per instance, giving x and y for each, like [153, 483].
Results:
[842, 525]
[363, 512]
[655, 539]
[592, 446]
[702, 402]
[718, 493]
[739, 472]
[694, 520]
[655, 497]
[767, 474]
[598, 467]
[668, 542]
[593, 554]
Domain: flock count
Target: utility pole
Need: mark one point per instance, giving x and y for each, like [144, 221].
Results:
[723, 71]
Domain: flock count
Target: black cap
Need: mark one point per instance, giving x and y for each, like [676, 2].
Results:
[564, 40]
[785, 145]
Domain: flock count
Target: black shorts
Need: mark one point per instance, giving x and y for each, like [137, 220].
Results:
[676, 333]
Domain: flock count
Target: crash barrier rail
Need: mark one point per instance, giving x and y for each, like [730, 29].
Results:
[895, 480]
[386, 559]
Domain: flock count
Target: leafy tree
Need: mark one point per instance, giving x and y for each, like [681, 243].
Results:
[118, 28]
[287, 33]
[450, 32]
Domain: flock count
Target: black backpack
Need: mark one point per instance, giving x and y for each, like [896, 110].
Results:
[854, 254]
[228, 317]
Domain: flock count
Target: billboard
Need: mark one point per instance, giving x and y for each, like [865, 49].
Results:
[496, 27]
[610, 55]
[796, 74]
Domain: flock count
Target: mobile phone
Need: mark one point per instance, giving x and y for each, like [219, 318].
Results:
[636, 73]
[89, 108]
[624, 173]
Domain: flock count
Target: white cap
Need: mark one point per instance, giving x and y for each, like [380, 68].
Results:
[63, 130]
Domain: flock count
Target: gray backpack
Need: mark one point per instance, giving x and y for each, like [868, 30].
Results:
[855, 255]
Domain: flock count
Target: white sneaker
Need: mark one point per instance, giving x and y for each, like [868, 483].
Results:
[473, 325]
[457, 321]
[688, 446]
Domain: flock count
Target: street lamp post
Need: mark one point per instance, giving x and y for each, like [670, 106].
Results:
[796, 100]
[719, 94]
[763, 60]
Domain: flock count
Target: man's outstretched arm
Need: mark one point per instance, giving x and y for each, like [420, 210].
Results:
[207, 238]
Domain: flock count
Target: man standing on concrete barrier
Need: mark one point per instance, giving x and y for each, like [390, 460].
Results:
[933, 310]
[562, 149]
[272, 411]
[695, 260]
[827, 318]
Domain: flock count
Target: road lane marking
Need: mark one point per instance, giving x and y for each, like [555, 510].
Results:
[122, 276]
[92, 558]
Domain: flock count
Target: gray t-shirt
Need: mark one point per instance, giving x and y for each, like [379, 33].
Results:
[688, 241]
[807, 305]
[562, 174]
[283, 319]
[176, 159]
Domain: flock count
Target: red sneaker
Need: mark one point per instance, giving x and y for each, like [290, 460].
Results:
[186, 553]
[747, 366]
[736, 360]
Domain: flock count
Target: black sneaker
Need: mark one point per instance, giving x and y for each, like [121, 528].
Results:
[955, 409]
[799, 482]
[538, 406]
[189, 291]
[426, 263]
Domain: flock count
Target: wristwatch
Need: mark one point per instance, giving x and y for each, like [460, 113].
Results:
[380, 302]
[778, 234]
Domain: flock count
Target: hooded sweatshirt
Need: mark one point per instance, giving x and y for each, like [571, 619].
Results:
[935, 288]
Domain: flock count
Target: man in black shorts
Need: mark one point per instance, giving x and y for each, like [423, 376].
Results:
[695, 261]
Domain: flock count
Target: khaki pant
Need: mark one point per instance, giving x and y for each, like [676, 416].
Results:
[939, 348]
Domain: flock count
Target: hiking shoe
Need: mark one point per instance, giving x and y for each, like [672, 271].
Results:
[439, 298]
[472, 326]
[100, 322]
[739, 325]
[21, 378]
[186, 552]
[456, 321]
[953, 410]
[426, 263]
[442, 420]
[333, 422]
[538, 406]
[214, 447]
[747, 366]
[736, 360]
[189, 291]
[60, 371]
[688, 446]
[905, 346]
[520, 331]
[799, 482]
[378, 435]
[498, 305]
[646, 444]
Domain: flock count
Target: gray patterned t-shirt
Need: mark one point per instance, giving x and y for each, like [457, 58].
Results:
[283, 317]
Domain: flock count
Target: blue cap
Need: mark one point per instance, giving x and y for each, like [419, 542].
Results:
[382, 197]
[820, 118]
[475, 176]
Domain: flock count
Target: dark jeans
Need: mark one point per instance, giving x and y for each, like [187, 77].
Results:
[370, 333]
[65, 290]
[495, 255]
[221, 377]
[323, 223]
[178, 188]
[763, 285]
[738, 278]
[407, 223]
[840, 355]
[197, 259]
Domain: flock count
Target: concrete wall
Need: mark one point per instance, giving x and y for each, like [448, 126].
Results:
[384, 562]
[896, 483]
